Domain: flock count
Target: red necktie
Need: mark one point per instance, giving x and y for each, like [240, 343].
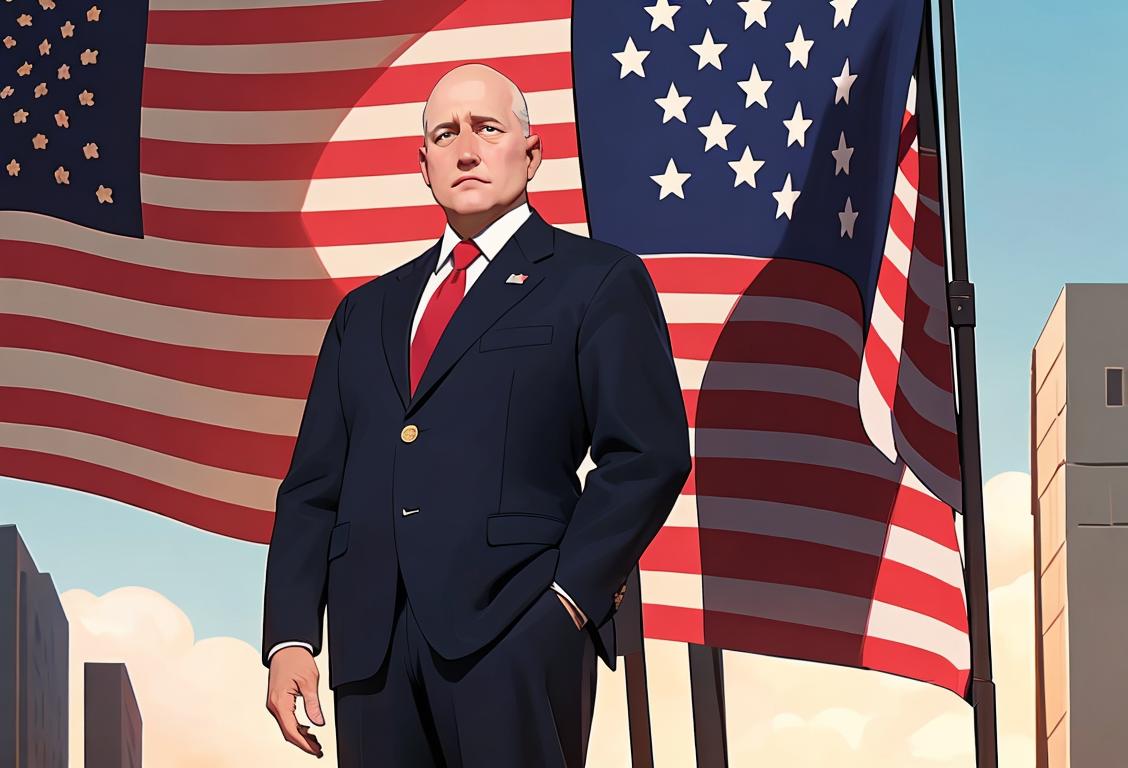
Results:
[439, 310]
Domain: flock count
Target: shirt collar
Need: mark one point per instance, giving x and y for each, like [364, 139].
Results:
[491, 240]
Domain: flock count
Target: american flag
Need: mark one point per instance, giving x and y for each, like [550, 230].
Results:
[157, 348]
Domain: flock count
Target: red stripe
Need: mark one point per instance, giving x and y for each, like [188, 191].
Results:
[909, 164]
[882, 365]
[813, 485]
[917, 663]
[309, 298]
[892, 284]
[936, 445]
[901, 222]
[753, 278]
[247, 372]
[337, 88]
[925, 515]
[929, 237]
[775, 560]
[238, 450]
[202, 512]
[773, 412]
[340, 21]
[298, 229]
[752, 634]
[753, 341]
[314, 160]
[931, 357]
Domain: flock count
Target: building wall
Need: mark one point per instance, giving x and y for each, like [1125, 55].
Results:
[1080, 484]
[112, 718]
[34, 640]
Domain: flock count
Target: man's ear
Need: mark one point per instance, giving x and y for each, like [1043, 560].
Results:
[423, 165]
[534, 152]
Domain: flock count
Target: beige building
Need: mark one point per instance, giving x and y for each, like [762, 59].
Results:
[1079, 488]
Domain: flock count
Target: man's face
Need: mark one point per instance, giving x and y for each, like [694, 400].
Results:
[475, 156]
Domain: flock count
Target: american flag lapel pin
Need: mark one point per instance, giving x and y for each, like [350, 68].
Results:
[517, 279]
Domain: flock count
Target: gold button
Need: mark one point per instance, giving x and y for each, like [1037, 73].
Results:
[409, 433]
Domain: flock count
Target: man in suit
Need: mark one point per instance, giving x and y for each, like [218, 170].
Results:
[432, 502]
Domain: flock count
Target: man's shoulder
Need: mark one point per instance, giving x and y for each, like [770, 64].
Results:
[371, 289]
[599, 255]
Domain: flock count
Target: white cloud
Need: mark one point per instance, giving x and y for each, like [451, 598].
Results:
[203, 703]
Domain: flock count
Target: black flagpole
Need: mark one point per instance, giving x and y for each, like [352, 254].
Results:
[961, 316]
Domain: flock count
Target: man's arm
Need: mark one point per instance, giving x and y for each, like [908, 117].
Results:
[306, 508]
[639, 438]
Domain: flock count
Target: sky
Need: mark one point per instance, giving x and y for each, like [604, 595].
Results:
[1045, 165]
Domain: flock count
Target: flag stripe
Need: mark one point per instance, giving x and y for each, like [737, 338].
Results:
[337, 21]
[311, 161]
[199, 510]
[208, 445]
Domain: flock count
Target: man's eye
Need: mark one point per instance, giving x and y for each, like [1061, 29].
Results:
[492, 128]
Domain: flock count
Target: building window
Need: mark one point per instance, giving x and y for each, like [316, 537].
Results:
[1114, 386]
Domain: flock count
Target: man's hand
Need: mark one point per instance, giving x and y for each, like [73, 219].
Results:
[571, 612]
[293, 673]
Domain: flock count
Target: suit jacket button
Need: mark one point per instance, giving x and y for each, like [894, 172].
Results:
[409, 433]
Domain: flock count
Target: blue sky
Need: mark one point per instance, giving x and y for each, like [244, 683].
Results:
[1045, 164]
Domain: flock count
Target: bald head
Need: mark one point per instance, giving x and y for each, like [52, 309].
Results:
[481, 81]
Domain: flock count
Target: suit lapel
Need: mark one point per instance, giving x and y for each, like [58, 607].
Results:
[488, 299]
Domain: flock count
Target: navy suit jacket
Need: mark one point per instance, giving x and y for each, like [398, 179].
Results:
[469, 487]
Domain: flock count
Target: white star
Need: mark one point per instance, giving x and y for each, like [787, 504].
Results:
[843, 83]
[842, 11]
[716, 132]
[847, 219]
[755, 88]
[746, 168]
[754, 11]
[799, 48]
[630, 60]
[797, 126]
[673, 105]
[842, 155]
[708, 52]
[662, 15]
[785, 198]
[671, 181]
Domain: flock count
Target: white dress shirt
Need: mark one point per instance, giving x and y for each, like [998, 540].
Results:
[490, 242]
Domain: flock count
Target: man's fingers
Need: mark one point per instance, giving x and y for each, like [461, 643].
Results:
[312, 703]
[283, 711]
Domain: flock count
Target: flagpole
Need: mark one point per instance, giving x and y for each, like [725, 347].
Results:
[632, 648]
[961, 314]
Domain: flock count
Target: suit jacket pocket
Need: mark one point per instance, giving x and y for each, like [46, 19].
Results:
[517, 528]
[339, 540]
[516, 336]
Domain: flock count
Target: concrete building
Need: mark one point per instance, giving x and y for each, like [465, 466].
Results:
[1079, 489]
[34, 642]
[112, 719]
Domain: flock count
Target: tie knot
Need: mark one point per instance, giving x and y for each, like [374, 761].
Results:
[464, 254]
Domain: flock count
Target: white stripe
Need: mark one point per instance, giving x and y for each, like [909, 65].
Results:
[157, 322]
[811, 607]
[221, 260]
[339, 194]
[875, 414]
[320, 125]
[705, 375]
[818, 526]
[527, 38]
[50, 371]
[222, 484]
[887, 325]
[930, 402]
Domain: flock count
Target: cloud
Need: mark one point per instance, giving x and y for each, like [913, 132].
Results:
[203, 701]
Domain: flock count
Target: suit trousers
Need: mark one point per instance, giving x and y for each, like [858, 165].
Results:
[525, 699]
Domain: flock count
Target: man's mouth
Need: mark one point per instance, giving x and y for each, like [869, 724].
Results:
[468, 178]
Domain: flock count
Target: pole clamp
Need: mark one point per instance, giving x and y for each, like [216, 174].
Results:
[961, 303]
